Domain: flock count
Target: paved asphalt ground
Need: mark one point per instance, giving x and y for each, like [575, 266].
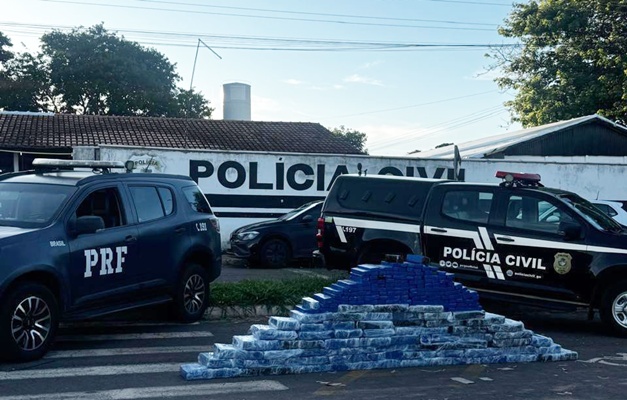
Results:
[138, 357]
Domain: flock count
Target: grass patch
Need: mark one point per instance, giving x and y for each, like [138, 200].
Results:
[248, 296]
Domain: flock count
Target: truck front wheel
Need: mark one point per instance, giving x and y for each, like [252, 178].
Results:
[614, 308]
[29, 317]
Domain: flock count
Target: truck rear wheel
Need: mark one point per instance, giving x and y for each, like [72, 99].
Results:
[29, 317]
[614, 308]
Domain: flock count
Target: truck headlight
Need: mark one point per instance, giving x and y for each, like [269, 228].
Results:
[245, 236]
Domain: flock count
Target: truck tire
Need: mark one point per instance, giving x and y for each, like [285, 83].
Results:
[192, 294]
[613, 309]
[29, 318]
[275, 253]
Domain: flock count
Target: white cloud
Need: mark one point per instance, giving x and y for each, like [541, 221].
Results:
[261, 106]
[293, 82]
[356, 78]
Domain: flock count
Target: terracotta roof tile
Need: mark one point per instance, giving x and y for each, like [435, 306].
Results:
[28, 131]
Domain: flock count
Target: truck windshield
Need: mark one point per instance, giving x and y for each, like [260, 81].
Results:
[26, 205]
[596, 217]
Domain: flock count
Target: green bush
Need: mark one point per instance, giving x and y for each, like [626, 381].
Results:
[280, 296]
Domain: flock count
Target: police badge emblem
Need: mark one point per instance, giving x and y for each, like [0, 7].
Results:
[562, 263]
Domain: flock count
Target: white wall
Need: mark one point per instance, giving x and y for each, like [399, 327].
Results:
[246, 187]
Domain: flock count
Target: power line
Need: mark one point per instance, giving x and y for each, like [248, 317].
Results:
[83, 3]
[435, 129]
[476, 3]
[319, 14]
[177, 39]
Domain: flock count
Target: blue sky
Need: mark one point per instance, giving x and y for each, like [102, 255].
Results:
[325, 62]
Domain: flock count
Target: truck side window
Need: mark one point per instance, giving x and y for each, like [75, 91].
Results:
[468, 205]
[528, 212]
[104, 203]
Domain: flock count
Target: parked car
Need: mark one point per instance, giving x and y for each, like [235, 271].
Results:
[80, 244]
[614, 209]
[276, 242]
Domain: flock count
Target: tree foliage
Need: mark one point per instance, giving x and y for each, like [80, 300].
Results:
[354, 137]
[572, 60]
[5, 54]
[190, 104]
[93, 71]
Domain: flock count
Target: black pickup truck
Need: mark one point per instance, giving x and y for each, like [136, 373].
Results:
[79, 241]
[515, 241]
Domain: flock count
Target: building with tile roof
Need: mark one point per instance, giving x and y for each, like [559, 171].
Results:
[34, 134]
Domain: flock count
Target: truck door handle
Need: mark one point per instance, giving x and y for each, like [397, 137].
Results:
[130, 239]
[439, 230]
[506, 239]
[179, 229]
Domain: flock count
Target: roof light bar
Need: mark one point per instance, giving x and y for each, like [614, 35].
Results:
[39, 163]
[519, 179]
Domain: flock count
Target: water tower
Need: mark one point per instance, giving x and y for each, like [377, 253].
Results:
[236, 101]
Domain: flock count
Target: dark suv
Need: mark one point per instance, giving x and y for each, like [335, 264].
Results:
[86, 242]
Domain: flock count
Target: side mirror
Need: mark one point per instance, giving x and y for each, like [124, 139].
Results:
[570, 230]
[306, 219]
[87, 224]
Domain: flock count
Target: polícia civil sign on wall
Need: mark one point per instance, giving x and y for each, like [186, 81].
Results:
[263, 185]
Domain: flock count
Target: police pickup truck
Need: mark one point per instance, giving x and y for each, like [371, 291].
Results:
[78, 241]
[514, 241]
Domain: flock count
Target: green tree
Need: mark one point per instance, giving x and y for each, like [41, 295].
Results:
[93, 71]
[190, 104]
[5, 54]
[572, 60]
[443, 145]
[354, 137]
[26, 85]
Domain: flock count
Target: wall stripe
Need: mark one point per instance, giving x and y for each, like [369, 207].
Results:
[257, 201]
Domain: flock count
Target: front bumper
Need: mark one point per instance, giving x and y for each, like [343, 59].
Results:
[241, 249]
